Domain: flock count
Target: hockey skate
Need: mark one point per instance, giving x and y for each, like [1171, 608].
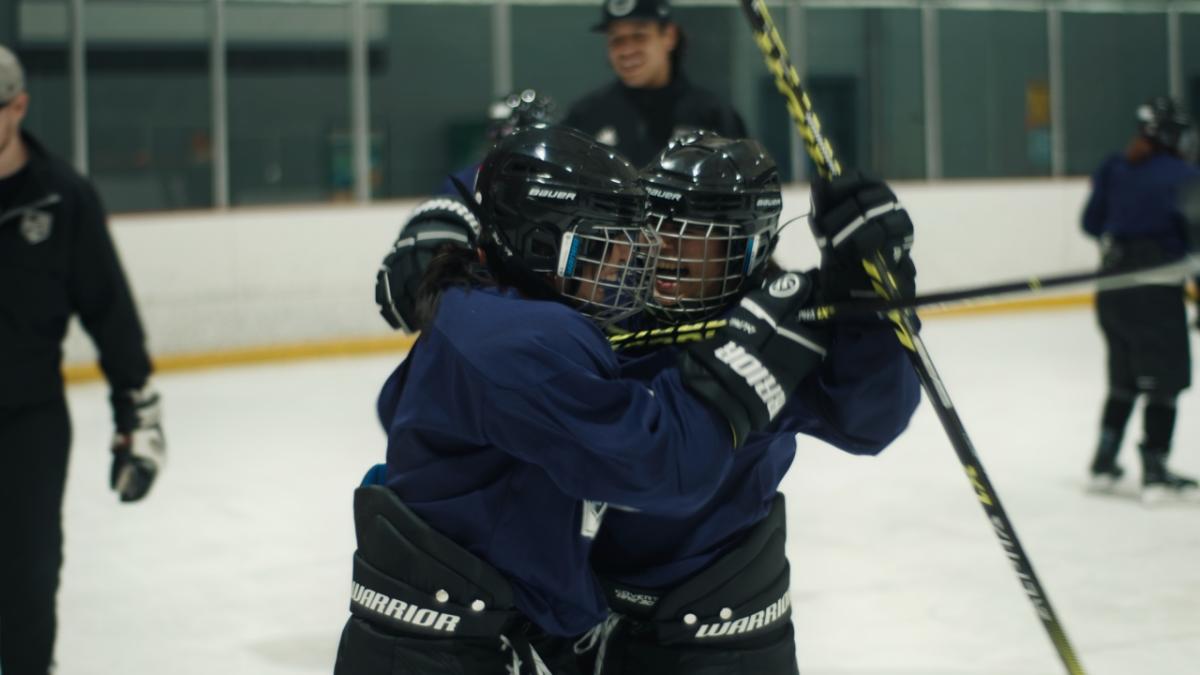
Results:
[1105, 472]
[1161, 485]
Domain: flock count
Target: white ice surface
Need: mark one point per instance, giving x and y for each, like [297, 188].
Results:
[238, 563]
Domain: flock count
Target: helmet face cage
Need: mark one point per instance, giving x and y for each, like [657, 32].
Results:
[564, 218]
[607, 269]
[703, 267]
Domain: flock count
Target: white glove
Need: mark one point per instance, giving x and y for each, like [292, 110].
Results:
[139, 451]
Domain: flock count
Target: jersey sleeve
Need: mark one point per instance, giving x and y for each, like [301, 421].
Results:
[862, 397]
[644, 445]
[101, 296]
[1095, 212]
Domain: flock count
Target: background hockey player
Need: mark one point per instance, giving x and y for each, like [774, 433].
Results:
[652, 100]
[56, 259]
[1133, 212]
[510, 427]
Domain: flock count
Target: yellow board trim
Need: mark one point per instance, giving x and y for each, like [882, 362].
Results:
[169, 363]
[87, 372]
[1022, 305]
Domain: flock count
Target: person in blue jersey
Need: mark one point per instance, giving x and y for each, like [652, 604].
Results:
[707, 591]
[510, 426]
[724, 202]
[1133, 211]
[507, 114]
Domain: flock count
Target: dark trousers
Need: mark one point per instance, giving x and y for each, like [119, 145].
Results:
[1146, 333]
[34, 441]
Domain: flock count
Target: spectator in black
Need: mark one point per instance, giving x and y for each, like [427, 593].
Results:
[652, 101]
[56, 259]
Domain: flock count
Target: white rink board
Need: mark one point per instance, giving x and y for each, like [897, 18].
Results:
[250, 277]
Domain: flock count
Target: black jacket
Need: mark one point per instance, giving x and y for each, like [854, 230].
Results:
[57, 259]
[640, 122]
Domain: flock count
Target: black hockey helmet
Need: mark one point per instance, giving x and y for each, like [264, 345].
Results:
[564, 217]
[1163, 121]
[715, 203]
[518, 109]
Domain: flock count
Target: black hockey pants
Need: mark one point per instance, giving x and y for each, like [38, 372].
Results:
[733, 618]
[34, 442]
[1145, 327]
[422, 605]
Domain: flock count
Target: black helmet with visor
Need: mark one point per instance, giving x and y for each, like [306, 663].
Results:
[564, 218]
[715, 203]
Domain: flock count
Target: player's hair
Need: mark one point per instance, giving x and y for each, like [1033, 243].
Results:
[454, 266]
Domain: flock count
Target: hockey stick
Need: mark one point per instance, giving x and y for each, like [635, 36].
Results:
[1104, 281]
[800, 109]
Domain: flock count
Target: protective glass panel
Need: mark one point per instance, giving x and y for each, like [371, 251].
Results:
[429, 94]
[865, 82]
[289, 103]
[37, 31]
[148, 98]
[995, 93]
[1111, 64]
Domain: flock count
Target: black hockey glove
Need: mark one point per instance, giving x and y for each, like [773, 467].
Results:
[854, 217]
[754, 363]
[431, 226]
[138, 447]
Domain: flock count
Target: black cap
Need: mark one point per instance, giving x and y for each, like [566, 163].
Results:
[616, 10]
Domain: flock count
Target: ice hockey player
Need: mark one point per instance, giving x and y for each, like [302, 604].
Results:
[716, 205]
[510, 426]
[1133, 211]
[707, 592]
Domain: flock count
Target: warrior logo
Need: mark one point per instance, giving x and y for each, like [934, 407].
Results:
[759, 620]
[756, 375]
[36, 226]
[768, 202]
[399, 610]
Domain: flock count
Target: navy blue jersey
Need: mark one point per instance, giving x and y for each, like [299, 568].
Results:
[465, 175]
[860, 400]
[509, 428]
[1138, 201]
